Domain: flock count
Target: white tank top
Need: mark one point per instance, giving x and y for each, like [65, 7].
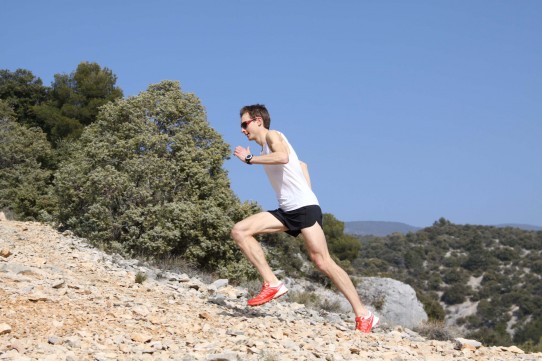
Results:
[288, 181]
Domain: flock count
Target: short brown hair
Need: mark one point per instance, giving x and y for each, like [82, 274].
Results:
[257, 110]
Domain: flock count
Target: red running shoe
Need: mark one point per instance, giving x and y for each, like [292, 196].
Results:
[267, 294]
[366, 324]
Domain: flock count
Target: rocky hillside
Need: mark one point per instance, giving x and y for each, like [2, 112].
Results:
[61, 299]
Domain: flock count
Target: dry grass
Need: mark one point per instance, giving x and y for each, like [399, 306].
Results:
[140, 277]
[314, 301]
[437, 330]
[177, 264]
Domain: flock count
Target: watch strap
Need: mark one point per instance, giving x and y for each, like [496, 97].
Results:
[248, 159]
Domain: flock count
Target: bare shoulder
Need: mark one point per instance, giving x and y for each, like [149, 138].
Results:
[276, 141]
[273, 136]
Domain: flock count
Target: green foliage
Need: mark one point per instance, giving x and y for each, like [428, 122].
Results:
[432, 307]
[57, 125]
[536, 266]
[28, 160]
[492, 336]
[6, 112]
[345, 248]
[530, 331]
[148, 175]
[447, 257]
[25, 180]
[63, 110]
[455, 276]
[455, 294]
[435, 282]
[333, 228]
[531, 346]
[342, 246]
[74, 101]
[22, 91]
[81, 94]
[414, 258]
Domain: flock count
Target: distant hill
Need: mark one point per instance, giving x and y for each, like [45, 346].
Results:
[377, 228]
[525, 227]
[382, 228]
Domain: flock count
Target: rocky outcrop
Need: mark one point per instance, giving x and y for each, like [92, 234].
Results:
[396, 301]
[61, 299]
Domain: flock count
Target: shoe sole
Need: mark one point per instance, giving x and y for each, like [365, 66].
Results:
[281, 292]
[375, 324]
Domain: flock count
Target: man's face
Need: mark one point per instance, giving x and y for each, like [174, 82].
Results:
[249, 125]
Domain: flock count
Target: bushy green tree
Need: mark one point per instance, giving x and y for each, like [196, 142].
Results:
[25, 180]
[414, 258]
[342, 246]
[75, 99]
[455, 294]
[22, 90]
[455, 276]
[431, 306]
[148, 175]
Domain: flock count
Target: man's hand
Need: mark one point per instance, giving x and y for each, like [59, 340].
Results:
[241, 152]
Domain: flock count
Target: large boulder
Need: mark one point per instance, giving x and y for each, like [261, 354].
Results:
[395, 302]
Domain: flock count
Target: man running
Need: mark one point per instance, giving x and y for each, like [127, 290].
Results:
[298, 213]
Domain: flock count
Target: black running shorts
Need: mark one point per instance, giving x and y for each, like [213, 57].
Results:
[299, 219]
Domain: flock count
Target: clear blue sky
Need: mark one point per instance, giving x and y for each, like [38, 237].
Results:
[405, 111]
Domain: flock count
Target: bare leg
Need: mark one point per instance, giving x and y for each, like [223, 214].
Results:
[318, 251]
[243, 234]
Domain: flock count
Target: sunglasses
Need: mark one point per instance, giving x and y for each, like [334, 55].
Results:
[245, 124]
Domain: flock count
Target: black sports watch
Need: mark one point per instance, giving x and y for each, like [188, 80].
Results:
[248, 159]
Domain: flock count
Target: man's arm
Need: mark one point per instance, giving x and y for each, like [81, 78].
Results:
[305, 170]
[279, 151]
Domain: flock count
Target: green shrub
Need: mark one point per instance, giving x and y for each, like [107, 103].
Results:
[455, 294]
[342, 246]
[453, 276]
[431, 305]
[435, 282]
[531, 347]
[25, 178]
[148, 174]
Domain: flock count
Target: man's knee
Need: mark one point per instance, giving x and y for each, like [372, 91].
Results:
[323, 263]
[238, 233]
